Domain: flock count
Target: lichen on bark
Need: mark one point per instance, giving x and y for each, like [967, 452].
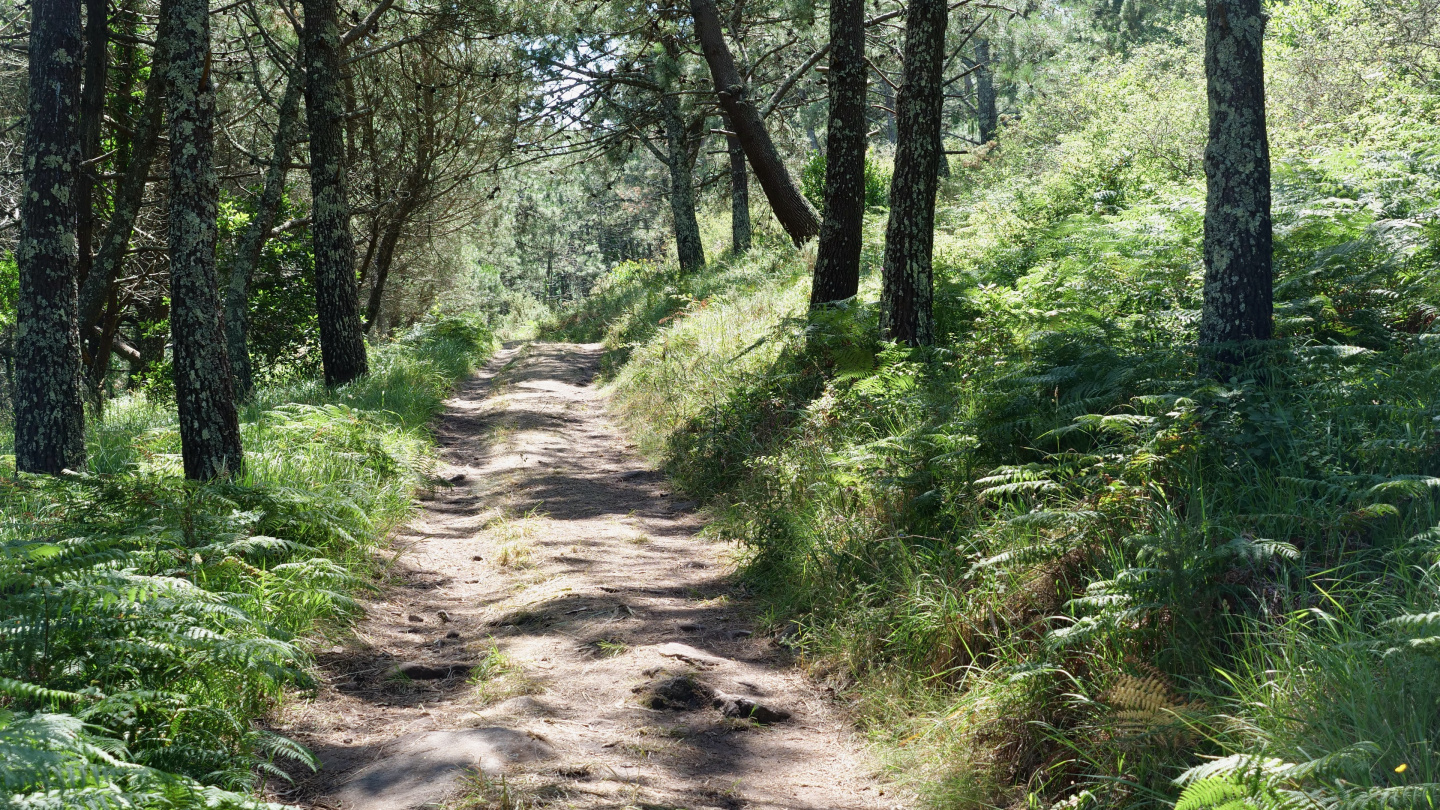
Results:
[342, 338]
[49, 409]
[204, 390]
[905, 298]
[837, 262]
[1238, 295]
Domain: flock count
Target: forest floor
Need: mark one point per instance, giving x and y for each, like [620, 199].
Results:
[552, 616]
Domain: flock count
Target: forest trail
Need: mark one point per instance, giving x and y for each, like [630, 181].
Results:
[536, 605]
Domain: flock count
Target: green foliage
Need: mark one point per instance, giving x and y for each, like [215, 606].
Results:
[146, 621]
[877, 181]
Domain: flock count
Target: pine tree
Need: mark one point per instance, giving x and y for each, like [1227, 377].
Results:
[49, 411]
[905, 298]
[837, 265]
[1238, 251]
[342, 341]
[204, 389]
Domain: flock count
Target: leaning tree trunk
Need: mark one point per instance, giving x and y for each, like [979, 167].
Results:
[790, 207]
[92, 101]
[905, 298]
[252, 241]
[837, 265]
[1238, 252]
[129, 196]
[740, 229]
[342, 340]
[688, 246]
[204, 390]
[987, 119]
[49, 412]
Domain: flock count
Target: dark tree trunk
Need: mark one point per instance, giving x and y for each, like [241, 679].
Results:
[99, 286]
[740, 231]
[1238, 251]
[688, 247]
[905, 298]
[987, 119]
[92, 106]
[342, 340]
[204, 389]
[252, 240]
[791, 209]
[49, 412]
[837, 264]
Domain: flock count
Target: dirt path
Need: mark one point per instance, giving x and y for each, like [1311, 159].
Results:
[556, 621]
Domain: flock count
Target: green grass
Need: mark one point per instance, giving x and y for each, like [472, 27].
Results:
[149, 621]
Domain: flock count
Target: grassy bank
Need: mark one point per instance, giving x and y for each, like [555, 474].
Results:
[1053, 564]
[147, 622]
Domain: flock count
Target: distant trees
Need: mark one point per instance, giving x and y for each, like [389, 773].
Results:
[49, 413]
[837, 264]
[905, 298]
[1238, 292]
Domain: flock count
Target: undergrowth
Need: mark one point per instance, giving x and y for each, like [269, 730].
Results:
[147, 623]
[1053, 564]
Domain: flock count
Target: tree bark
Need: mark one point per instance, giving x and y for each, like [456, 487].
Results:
[342, 341]
[1239, 281]
[688, 247]
[204, 389]
[92, 104]
[987, 119]
[837, 264]
[129, 195]
[740, 229]
[905, 298]
[252, 240]
[49, 411]
[791, 209]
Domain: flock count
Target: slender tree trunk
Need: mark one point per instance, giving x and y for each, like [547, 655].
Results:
[204, 389]
[790, 207]
[92, 104]
[688, 247]
[740, 230]
[887, 97]
[342, 340]
[837, 265]
[129, 195]
[987, 119]
[252, 240]
[49, 412]
[905, 298]
[1239, 281]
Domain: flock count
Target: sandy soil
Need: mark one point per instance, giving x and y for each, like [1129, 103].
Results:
[554, 621]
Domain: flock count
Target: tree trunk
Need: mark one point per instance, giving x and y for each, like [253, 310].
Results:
[252, 241]
[987, 119]
[204, 389]
[92, 105]
[740, 231]
[790, 207]
[1238, 250]
[129, 195]
[837, 265]
[49, 412]
[905, 298]
[342, 341]
[688, 246]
